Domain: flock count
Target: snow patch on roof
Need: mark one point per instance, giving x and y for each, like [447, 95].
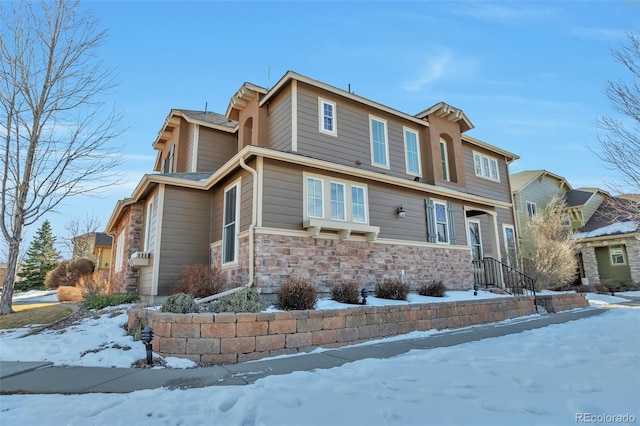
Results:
[614, 228]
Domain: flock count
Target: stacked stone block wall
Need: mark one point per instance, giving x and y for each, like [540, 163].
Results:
[562, 302]
[228, 338]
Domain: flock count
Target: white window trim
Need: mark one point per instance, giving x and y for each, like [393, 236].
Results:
[344, 200]
[406, 151]
[321, 103]
[479, 236]
[326, 195]
[386, 141]
[305, 194]
[444, 154]
[119, 263]
[235, 184]
[624, 258]
[147, 224]
[446, 220]
[486, 174]
[535, 208]
[365, 201]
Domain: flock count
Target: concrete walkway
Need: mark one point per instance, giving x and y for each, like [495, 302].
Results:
[42, 377]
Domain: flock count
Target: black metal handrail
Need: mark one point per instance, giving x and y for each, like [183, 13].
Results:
[490, 272]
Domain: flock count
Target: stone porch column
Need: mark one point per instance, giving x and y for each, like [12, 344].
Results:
[590, 265]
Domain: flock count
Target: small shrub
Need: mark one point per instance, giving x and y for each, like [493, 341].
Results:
[136, 328]
[602, 289]
[244, 300]
[345, 292]
[200, 281]
[57, 276]
[180, 303]
[433, 289]
[68, 293]
[100, 301]
[583, 289]
[92, 285]
[297, 294]
[392, 289]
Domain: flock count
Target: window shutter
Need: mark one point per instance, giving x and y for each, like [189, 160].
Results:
[432, 233]
[452, 225]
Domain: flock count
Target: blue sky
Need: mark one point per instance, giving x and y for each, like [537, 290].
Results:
[529, 75]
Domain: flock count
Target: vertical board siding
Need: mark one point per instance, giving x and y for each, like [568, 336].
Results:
[185, 234]
[280, 123]
[214, 149]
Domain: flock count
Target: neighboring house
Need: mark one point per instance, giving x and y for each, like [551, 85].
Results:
[609, 244]
[309, 180]
[532, 190]
[97, 247]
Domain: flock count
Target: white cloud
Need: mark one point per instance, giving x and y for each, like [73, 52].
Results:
[507, 13]
[438, 67]
[598, 34]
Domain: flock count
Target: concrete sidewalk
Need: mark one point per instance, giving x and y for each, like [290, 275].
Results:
[42, 377]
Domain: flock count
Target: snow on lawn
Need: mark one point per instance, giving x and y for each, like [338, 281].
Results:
[552, 375]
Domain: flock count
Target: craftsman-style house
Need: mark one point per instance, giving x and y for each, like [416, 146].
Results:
[305, 179]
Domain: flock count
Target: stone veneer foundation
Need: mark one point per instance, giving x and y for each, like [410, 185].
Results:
[327, 261]
[229, 338]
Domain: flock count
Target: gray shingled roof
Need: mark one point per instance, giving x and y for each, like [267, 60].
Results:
[209, 117]
[103, 240]
[192, 176]
[609, 213]
[576, 197]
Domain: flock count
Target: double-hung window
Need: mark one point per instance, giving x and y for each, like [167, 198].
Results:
[412, 152]
[230, 222]
[617, 255]
[119, 263]
[444, 155]
[486, 167]
[327, 117]
[440, 222]
[338, 201]
[379, 145]
[358, 204]
[532, 209]
[315, 197]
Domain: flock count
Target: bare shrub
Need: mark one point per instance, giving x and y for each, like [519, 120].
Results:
[297, 294]
[68, 272]
[434, 289]
[92, 284]
[57, 276]
[345, 292]
[392, 289]
[200, 281]
[70, 294]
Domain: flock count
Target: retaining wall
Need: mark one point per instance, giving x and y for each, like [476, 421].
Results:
[229, 338]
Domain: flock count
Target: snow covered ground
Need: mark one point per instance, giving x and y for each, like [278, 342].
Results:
[578, 372]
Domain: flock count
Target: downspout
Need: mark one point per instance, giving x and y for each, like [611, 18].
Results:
[254, 219]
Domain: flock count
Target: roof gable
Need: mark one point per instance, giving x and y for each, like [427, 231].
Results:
[521, 180]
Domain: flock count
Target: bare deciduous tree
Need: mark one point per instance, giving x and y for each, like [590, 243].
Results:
[619, 138]
[550, 256]
[56, 132]
[81, 236]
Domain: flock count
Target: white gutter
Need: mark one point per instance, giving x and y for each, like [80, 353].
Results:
[254, 218]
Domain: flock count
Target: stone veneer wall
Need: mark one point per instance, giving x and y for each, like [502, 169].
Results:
[590, 262]
[132, 224]
[327, 261]
[229, 338]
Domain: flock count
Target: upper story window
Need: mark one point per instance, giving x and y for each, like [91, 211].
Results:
[230, 222]
[486, 167]
[617, 255]
[532, 209]
[327, 117]
[412, 152]
[444, 155]
[379, 145]
[171, 155]
[347, 201]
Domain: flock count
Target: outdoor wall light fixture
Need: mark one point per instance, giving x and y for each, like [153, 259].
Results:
[364, 293]
[147, 337]
[476, 287]
[401, 211]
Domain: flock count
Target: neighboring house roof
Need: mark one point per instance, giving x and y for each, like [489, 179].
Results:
[522, 179]
[103, 240]
[576, 197]
[203, 118]
[607, 221]
[191, 176]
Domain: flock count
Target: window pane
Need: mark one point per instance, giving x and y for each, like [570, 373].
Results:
[445, 162]
[314, 198]
[617, 256]
[441, 222]
[494, 170]
[328, 116]
[337, 201]
[379, 142]
[413, 164]
[485, 165]
[477, 160]
[357, 204]
[230, 206]
[229, 225]
[229, 243]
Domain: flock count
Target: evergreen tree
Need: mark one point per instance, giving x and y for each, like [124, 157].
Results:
[42, 257]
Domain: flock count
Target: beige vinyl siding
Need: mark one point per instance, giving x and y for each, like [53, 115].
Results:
[282, 204]
[145, 280]
[279, 128]
[352, 143]
[214, 149]
[185, 233]
[477, 185]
